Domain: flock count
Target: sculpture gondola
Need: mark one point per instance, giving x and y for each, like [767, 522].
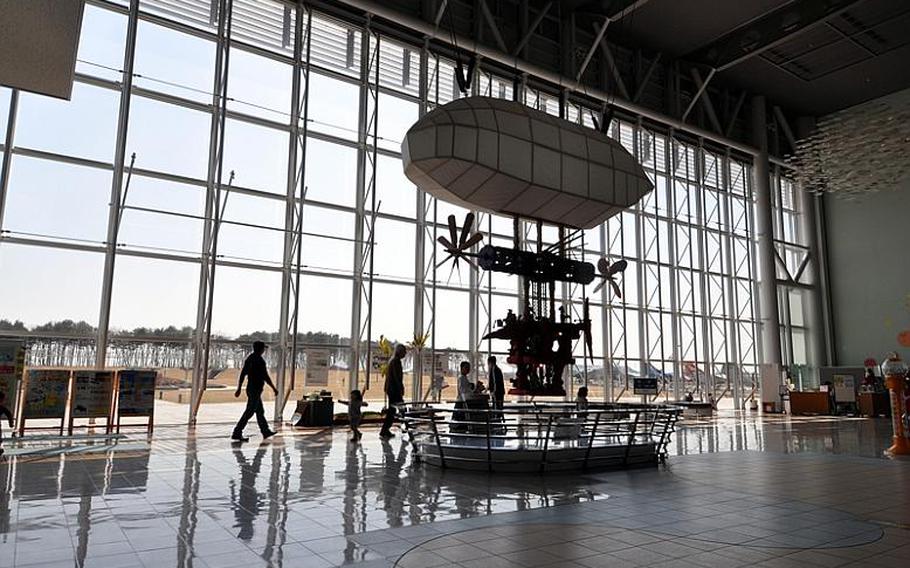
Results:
[502, 157]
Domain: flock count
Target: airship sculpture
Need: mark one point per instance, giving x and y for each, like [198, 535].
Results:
[502, 157]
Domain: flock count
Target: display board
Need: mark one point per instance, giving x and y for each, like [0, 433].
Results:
[12, 364]
[136, 392]
[45, 393]
[93, 393]
[846, 381]
[377, 360]
[318, 362]
[771, 381]
[434, 366]
[645, 386]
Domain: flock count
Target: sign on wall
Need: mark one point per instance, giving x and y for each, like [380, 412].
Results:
[318, 362]
[92, 394]
[45, 394]
[12, 363]
[136, 392]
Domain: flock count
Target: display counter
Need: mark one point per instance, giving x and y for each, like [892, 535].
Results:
[810, 402]
[874, 403]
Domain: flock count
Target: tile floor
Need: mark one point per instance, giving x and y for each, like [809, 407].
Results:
[736, 491]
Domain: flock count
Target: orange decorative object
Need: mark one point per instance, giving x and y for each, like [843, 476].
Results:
[904, 338]
[895, 370]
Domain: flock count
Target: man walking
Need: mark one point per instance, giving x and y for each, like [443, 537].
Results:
[497, 387]
[394, 389]
[254, 369]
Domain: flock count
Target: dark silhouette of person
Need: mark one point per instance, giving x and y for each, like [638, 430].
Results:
[497, 386]
[394, 389]
[246, 501]
[257, 375]
[4, 411]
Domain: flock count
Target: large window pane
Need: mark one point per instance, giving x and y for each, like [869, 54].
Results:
[84, 126]
[246, 301]
[169, 138]
[101, 43]
[175, 63]
[252, 243]
[42, 285]
[328, 243]
[333, 106]
[172, 233]
[331, 172]
[153, 294]
[257, 155]
[53, 199]
[259, 86]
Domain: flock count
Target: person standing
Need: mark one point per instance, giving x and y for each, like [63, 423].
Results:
[465, 386]
[394, 389]
[497, 386]
[257, 375]
[4, 411]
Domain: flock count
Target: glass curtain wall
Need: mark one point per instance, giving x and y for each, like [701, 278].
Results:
[366, 236]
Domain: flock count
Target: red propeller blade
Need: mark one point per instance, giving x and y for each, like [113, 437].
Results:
[445, 242]
[453, 229]
[618, 267]
[471, 242]
[466, 230]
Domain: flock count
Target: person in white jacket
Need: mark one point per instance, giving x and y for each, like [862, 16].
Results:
[465, 387]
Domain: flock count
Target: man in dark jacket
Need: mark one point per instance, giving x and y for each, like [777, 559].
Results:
[257, 375]
[394, 389]
[497, 386]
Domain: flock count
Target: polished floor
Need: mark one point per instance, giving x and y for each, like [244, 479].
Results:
[737, 490]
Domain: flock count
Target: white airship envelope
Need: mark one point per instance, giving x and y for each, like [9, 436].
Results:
[504, 157]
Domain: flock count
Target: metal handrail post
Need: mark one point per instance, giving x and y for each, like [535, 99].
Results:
[442, 457]
[591, 441]
[632, 431]
[489, 448]
[546, 444]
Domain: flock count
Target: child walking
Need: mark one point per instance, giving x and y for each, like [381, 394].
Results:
[4, 411]
[355, 414]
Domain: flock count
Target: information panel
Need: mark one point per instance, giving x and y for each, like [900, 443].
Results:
[12, 362]
[317, 367]
[92, 394]
[645, 386]
[45, 394]
[137, 392]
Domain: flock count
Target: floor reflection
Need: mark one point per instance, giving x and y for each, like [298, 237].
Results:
[309, 498]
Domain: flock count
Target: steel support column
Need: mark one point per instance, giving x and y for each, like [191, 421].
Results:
[295, 196]
[764, 234]
[213, 209]
[420, 221]
[114, 212]
[9, 136]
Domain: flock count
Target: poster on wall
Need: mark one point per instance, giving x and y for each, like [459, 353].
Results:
[12, 363]
[318, 362]
[377, 360]
[137, 392]
[45, 393]
[92, 394]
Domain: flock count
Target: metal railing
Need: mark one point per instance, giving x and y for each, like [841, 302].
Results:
[539, 436]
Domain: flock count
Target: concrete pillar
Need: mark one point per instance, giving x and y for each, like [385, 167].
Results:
[809, 224]
[764, 234]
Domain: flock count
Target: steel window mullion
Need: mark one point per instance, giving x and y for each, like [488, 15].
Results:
[5, 164]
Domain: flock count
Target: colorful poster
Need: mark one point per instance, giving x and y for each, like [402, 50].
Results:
[45, 393]
[137, 392]
[318, 362]
[12, 362]
[92, 394]
[644, 385]
[377, 360]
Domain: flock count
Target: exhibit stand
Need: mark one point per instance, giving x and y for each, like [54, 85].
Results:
[44, 397]
[135, 396]
[92, 397]
[12, 365]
